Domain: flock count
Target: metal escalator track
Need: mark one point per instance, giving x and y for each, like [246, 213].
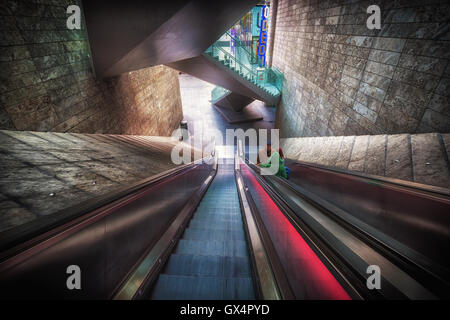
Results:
[229, 250]
[107, 238]
[348, 245]
[223, 231]
[190, 233]
[211, 260]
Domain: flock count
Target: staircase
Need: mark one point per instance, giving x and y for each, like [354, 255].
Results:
[239, 71]
[141, 34]
[211, 259]
[246, 64]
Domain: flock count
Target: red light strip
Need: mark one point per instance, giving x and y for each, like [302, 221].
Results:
[311, 275]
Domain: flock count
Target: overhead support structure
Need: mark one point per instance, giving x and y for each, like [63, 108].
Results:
[190, 36]
[129, 35]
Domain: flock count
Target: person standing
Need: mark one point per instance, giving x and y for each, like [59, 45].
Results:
[276, 156]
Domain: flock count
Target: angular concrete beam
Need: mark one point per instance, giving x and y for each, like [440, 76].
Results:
[134, 34]
[208, 69]
[233, 101]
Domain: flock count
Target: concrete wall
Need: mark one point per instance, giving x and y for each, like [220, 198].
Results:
[42, 173]
[47, 83]
[422, 158]
[343, 79]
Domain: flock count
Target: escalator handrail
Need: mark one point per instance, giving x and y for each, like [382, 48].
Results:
[139, 282]
[270, 280]
[404, 260]
[414, 186]
[20, 238]
[318, 249]
[379, 245]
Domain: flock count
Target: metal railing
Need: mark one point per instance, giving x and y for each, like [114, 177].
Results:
[244, 61]
[232, 62]
[218, 93]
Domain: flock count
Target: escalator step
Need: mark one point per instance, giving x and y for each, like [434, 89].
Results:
[217, 219]
[229, 199]
[224, 225]
[236, 248]
[218, 235]
[212, 266]
[203, 288]
[230, 203]
[216, 216]
[211, 259]
[217, 209]
[221, 193]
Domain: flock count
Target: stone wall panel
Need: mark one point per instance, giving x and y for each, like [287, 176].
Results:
[47, 83]
[421, 158]
[401, 72]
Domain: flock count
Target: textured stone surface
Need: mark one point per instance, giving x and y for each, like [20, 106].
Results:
[421, 158]
[398, 157]
[359, 152]
[47, 83]
[446, 140]
[344, 79]
[428, 162]
[345, 152]
[376, 155]
[42, 173]
[330, 151]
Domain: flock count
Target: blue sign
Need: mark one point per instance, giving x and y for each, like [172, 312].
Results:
[262, 44]
[232, 44]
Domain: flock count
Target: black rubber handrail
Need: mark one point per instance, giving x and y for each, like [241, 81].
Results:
[139, 283]
[417, 271]
[392, 181]
[340, 270]
[269, 278]
[17, 239]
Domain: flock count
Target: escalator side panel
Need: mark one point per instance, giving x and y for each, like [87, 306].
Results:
[308, 276]
[105, 246]
[398, 212]
[211, 260]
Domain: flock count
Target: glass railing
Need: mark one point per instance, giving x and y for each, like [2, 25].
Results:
[228, 59]
[218, 93]
[275, 77]
[239, 56]
[244, 51]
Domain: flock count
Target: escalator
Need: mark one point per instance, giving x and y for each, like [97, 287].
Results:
[228, 251]
[354, 222]
[177, 235]
[224, 231]
[107, 238]
[211, 260]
